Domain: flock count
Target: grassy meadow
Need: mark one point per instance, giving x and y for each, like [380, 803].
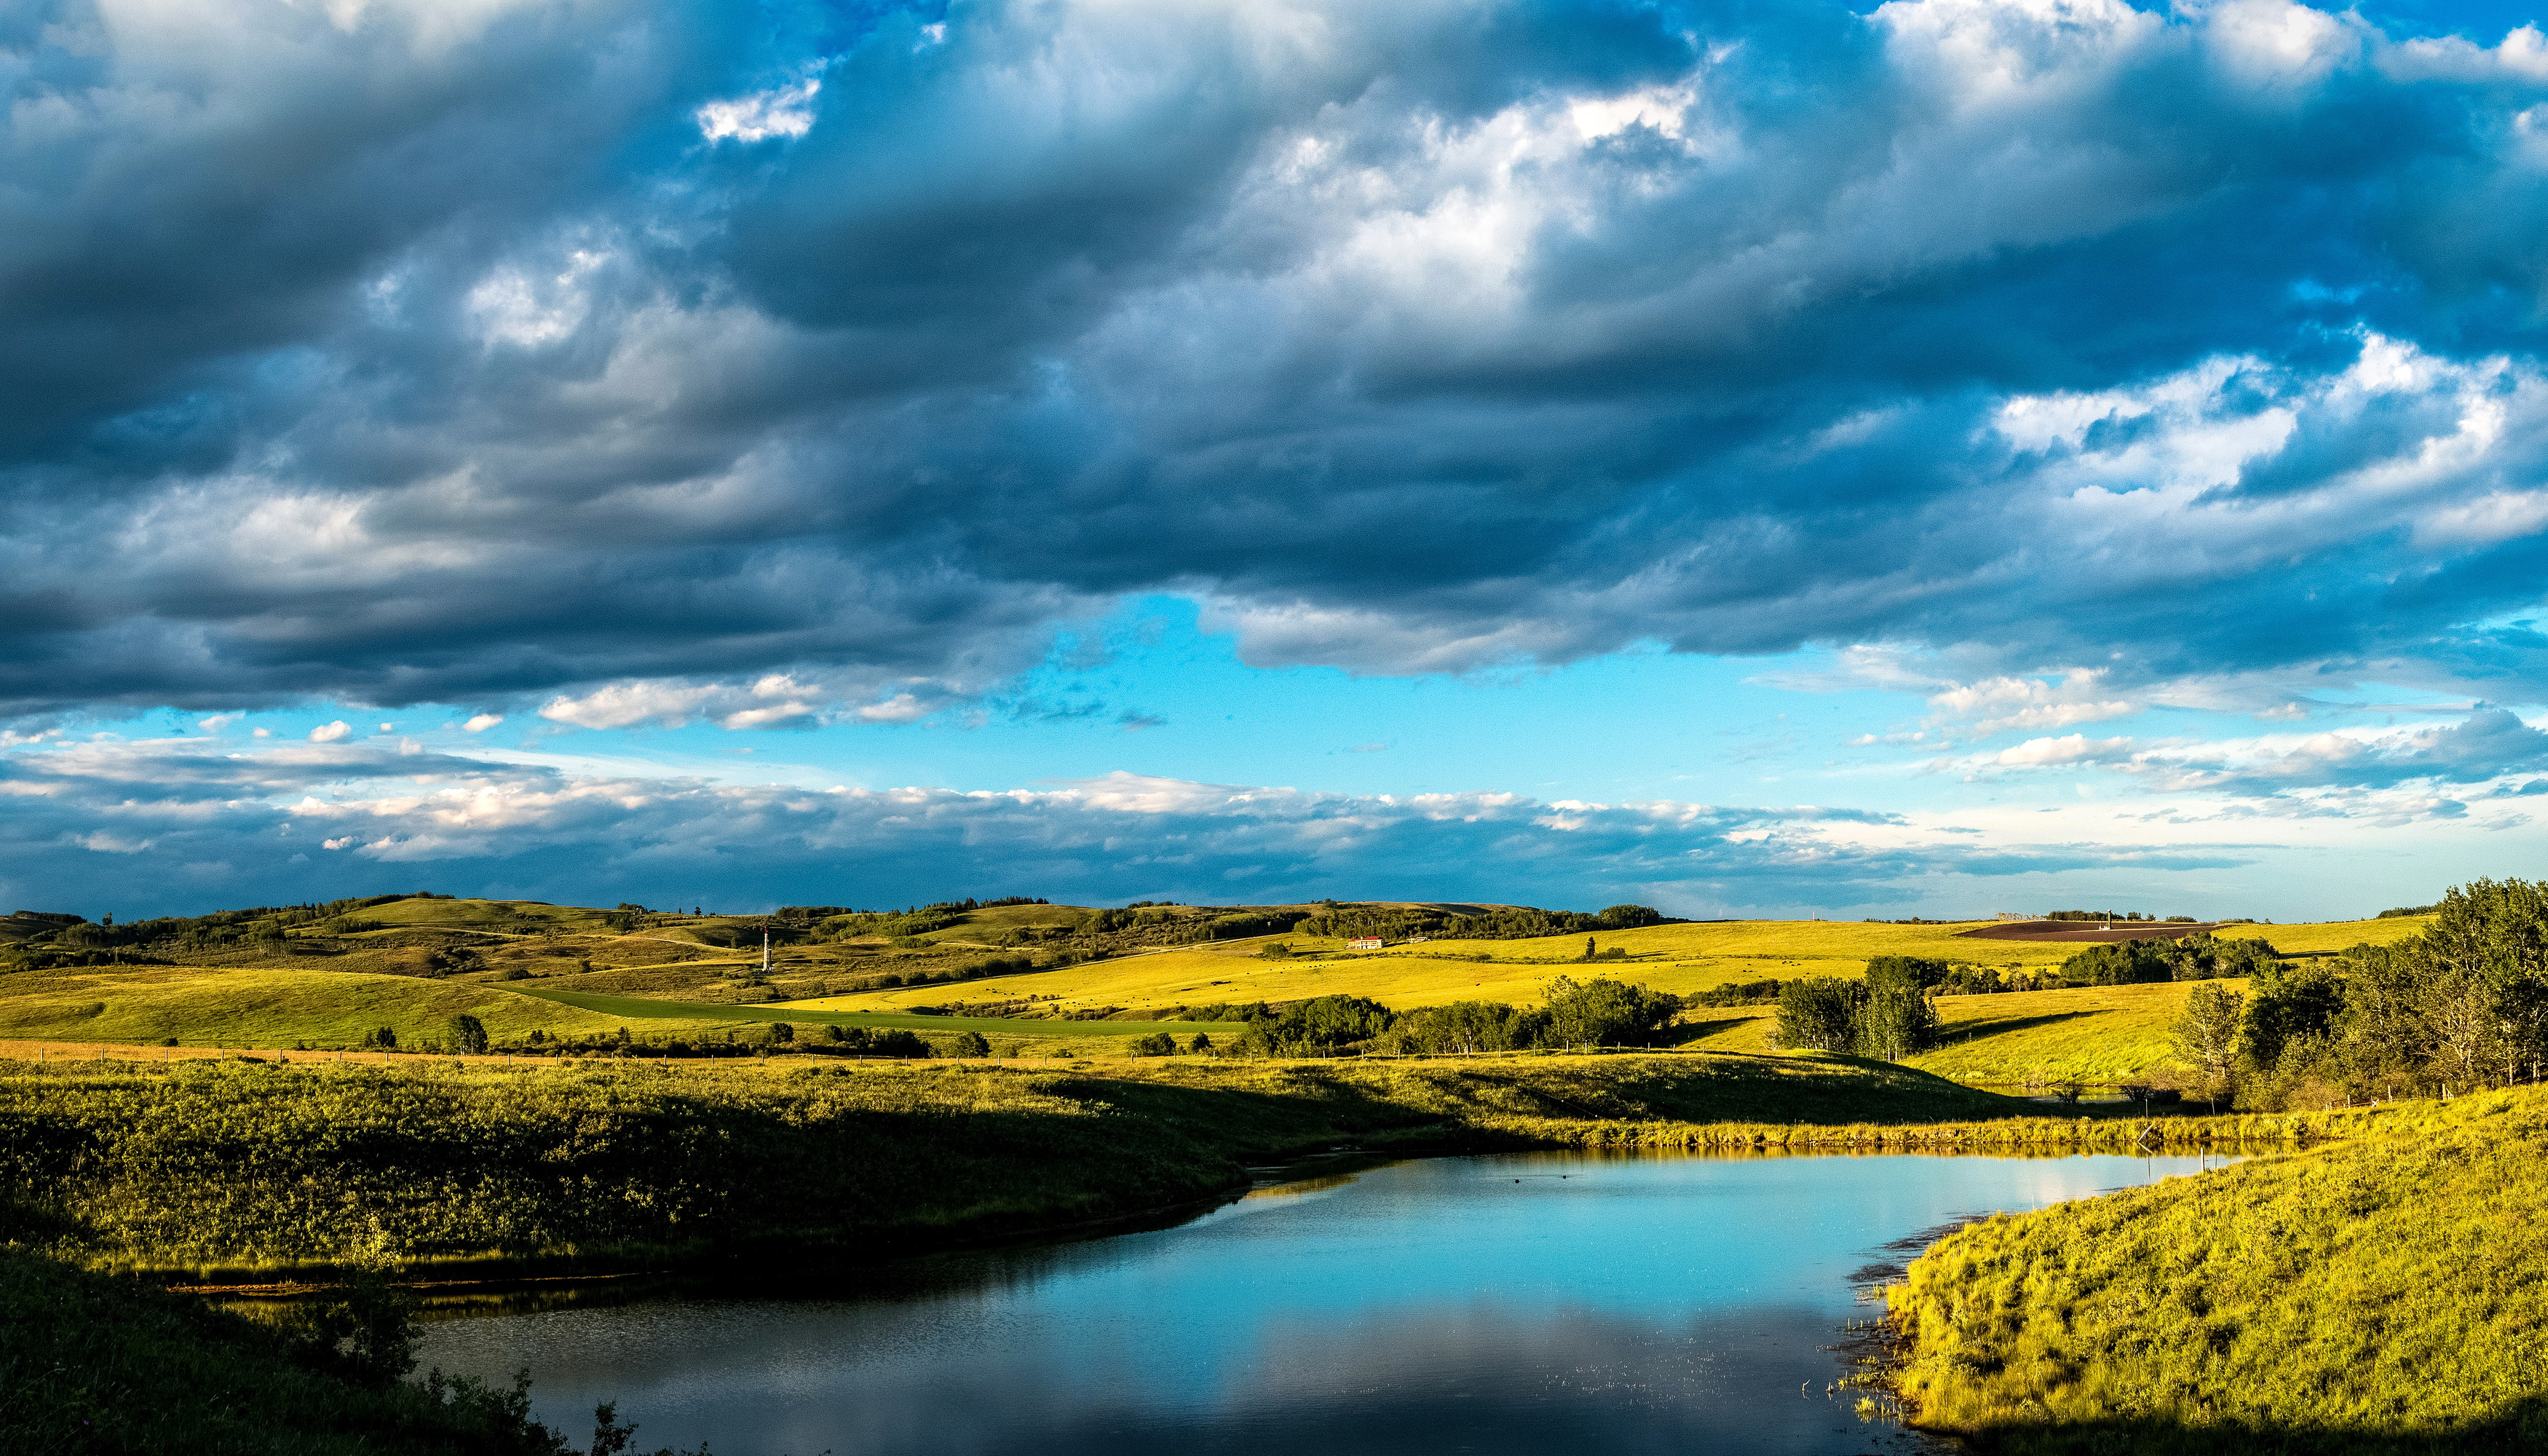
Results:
[564, 971]
[1680, 958]
[2378, 1293]
[2081, 1034]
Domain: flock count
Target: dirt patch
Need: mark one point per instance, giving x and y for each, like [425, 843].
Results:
[2077, 929]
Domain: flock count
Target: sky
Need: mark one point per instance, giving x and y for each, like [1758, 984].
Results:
[1764, 459]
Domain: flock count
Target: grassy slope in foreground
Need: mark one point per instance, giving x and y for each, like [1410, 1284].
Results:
[246, 1172]
[2381, 1294]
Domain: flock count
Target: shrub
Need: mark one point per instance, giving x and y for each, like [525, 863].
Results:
[1157, 1044]
[968, 1044]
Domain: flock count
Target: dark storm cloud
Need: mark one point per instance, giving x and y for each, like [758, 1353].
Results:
[88, 825]
[763, 362]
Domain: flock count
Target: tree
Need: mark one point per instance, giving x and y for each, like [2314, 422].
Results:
[468, 1034]
[1323, 1027]
[2488, 952]
[1820, 1014]
[1895, 1023]
[968, 1044]
[1904, 974]
[2115, 963]
[1604, 1013]
[897, 1043]
[2204, 1037]
[781, 1031]
[1157, 1044]
[2288, 1002]
[1464, 1025]
[1201, 1044]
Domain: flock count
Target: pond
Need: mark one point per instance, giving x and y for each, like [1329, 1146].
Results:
[1506, 1304]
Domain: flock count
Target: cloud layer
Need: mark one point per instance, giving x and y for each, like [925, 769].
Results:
[164, 825]
[626, 362]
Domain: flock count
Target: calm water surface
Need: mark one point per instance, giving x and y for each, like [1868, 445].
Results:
[1537, 1303]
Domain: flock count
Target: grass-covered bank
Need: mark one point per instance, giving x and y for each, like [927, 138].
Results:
[254, 1172]
[2378, 1294]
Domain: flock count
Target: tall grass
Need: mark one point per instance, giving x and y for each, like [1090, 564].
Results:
[2382, 1293]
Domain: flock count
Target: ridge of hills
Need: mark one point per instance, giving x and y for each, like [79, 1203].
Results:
[1034, 979]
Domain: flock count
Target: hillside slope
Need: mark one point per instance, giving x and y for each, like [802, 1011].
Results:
[2381, 1294]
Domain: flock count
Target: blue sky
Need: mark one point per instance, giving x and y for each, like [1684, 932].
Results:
[1950, 456]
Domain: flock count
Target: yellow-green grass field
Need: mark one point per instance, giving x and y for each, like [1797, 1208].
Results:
[2378, 1294]
[1680, 958]
[2085, 1033]
[257, 1007]
[260, 1007]
[2090, 1035]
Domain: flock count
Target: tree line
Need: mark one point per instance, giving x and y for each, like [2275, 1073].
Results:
[1399, 923]
[2463, 1004]
[1574, 1015]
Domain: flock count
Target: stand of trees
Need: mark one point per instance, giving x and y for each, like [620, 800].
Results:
[1348, 922]
[2463, 1005]
[2195, 957]
[1887, 1015]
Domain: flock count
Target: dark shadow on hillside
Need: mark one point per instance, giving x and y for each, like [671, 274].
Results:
[1682, 1034]
[1955, 1031]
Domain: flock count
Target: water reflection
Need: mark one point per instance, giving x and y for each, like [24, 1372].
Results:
[1504, 1304]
